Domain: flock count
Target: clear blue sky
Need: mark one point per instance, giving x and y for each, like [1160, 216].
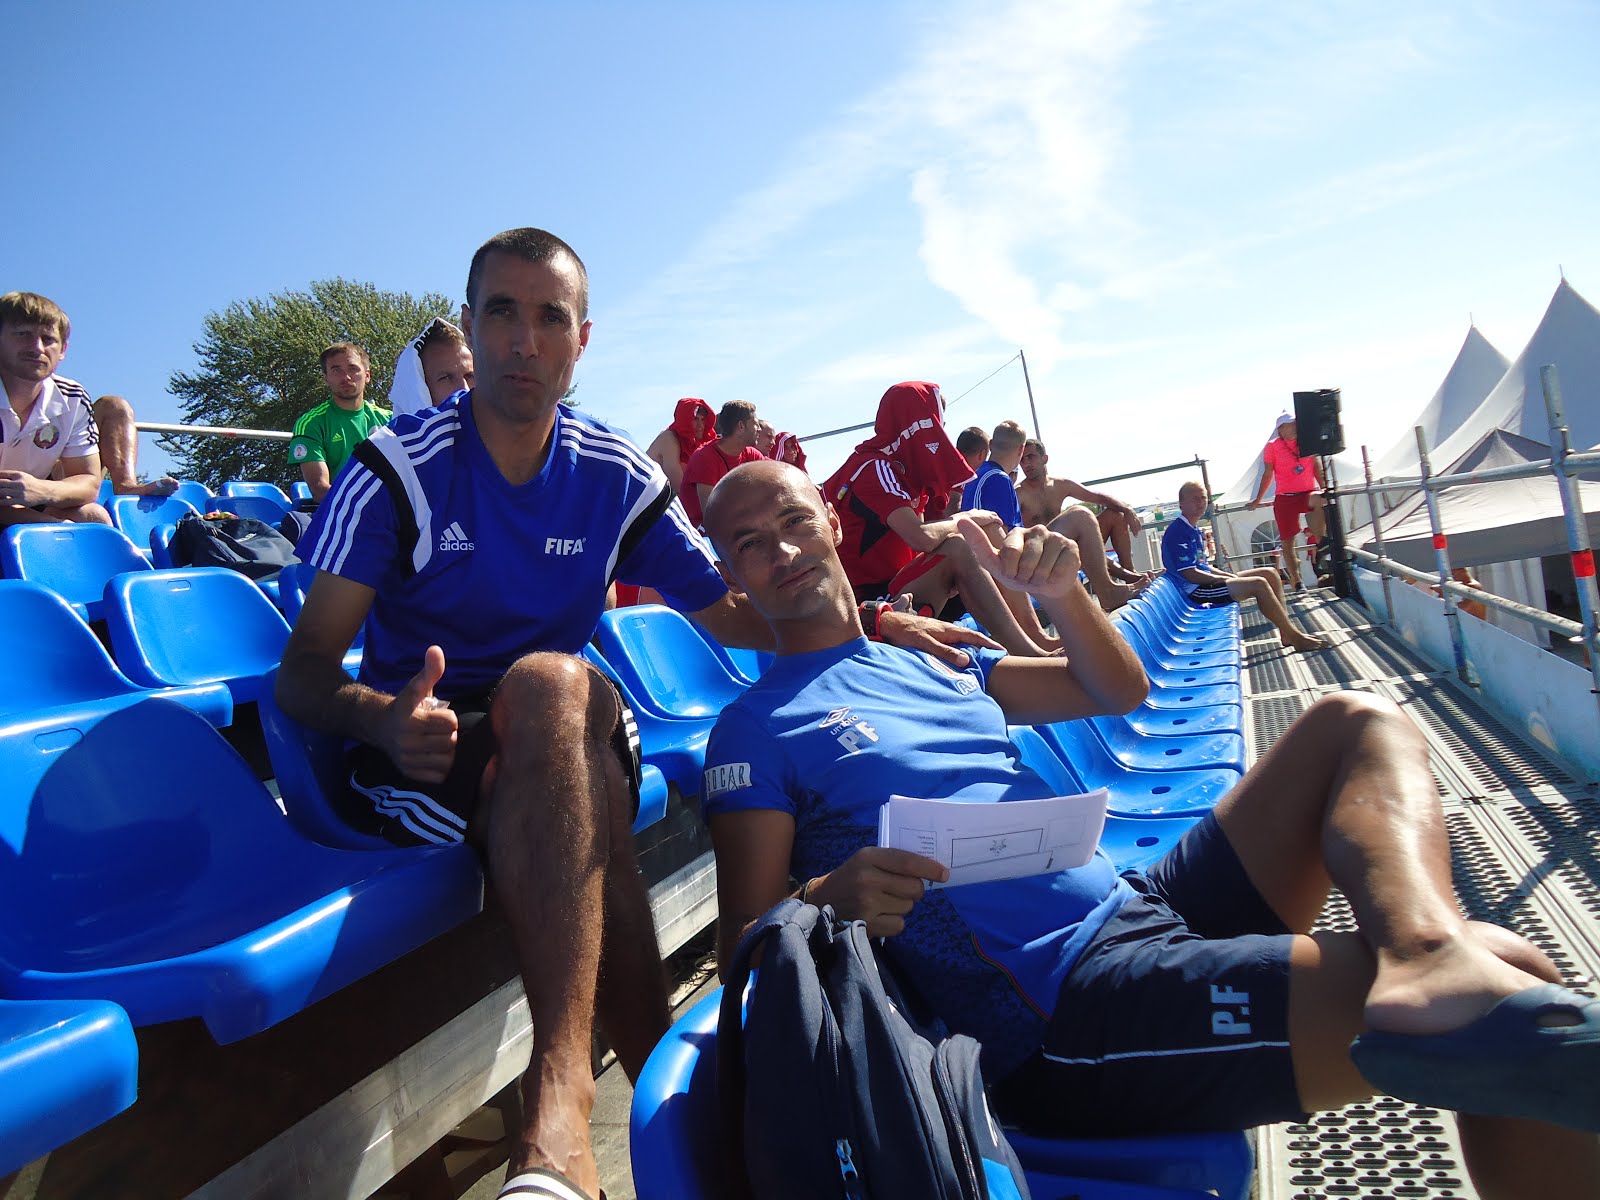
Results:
[1182, 212]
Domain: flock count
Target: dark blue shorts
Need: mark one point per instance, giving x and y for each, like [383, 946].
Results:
[1176, 1016]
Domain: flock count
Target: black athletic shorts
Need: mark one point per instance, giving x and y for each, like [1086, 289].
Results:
[1176, 1016]
[409, 812]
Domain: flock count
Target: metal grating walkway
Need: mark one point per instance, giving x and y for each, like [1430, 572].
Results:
[1525, 842]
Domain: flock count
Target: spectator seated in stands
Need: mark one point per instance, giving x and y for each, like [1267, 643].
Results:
[46, 426]
[692, 427]
[1041, 496]
[882, 494]
[1188, 997]
[475, 546]
[1298, 481]
[435, 365]
[1183, 555]
[786, 447]
[735, 443]
[327, 435]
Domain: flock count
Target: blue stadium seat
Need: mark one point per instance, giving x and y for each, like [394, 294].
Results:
[1169, 695]
[65, 1066]
[300, 492]
[1153, 654]
[137, 516]
[194, 625]
[665, 664]
[142, 862]
[106, 492]
[1176, 638]
[1222, 668]
[262, 508]
[60, 664]
[74, 561]
[256, 489]
[1173, 752]
[161, 546]
[195, 492]
[678, 1153]
[1135, 793]
[744, 665]
[676, 748]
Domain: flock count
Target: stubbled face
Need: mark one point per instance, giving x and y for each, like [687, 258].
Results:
[777, 541]
[446, 368]
[30, 351]
[526, 334]
[765, 435]
[702, 422]
[346, 376]
[1192, 504]
[1034, 462]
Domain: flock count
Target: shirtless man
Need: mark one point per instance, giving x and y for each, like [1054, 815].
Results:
[1042, 498]
[691, 428]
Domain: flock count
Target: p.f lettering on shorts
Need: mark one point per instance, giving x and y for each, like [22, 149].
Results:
[1175, 1018]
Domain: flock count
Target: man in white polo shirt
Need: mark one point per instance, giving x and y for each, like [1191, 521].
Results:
[46, 423]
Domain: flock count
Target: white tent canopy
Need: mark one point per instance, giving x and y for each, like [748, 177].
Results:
[1473, 375]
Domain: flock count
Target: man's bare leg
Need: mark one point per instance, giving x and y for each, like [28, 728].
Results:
[1080, 525]
[85, 514]
[1345, 798]
[957, 571]
[1262, 585]
[1114, 526]
[547, 828]
[119, 450]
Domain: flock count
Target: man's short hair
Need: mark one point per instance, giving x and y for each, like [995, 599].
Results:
[355, 348]
[1034, 444]
[1008, 437]
[531, 245]
[970, 439]
[30, 308]
[733, 413]
[1191, 483]
[440, 333]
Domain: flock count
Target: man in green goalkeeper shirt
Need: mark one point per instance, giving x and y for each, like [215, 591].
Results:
[326, 436]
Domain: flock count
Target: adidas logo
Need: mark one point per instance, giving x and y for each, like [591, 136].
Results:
[455, 538]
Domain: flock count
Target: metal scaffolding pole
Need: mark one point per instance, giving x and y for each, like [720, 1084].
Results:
[1377, 533]
[1441, 554]
[1577, 527]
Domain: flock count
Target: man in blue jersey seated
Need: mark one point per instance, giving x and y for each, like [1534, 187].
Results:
[1183, 556]
[476, 544]
[1191, 997]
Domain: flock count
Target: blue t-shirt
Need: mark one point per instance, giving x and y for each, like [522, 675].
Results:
[489, 571]
[1183, 546]
[992, 489]
[830, 736]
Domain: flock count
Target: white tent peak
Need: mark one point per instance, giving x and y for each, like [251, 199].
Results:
[1478, 366]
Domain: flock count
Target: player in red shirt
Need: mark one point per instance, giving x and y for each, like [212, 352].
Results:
[1299, 483]
[691, 428]
[735, 444]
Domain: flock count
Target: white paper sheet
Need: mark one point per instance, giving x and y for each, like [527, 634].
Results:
[983, 842]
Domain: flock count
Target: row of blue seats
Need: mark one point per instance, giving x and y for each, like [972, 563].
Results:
[199, 495]
[1193, 659]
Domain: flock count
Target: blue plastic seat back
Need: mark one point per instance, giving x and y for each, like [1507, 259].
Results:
[195, 492]
[666, 665]
[261, 508]
[300, 492]
[294, 581]
[744, 665]
[1037, 754]
[161, 546]
[129, 836]
[676, 748]
[104, 496]
[194, 625]
[258, 489]
[136, 516]
[1200, 751]
[74, 561]
[65, 1067]
[59, 661]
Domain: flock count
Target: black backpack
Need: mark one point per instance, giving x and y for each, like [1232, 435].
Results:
[242, 544]
[829, 1087]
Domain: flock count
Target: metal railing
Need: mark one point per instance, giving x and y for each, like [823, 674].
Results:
[1564, 465]
[227, 431]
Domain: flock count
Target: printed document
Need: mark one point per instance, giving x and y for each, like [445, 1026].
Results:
[983, 842]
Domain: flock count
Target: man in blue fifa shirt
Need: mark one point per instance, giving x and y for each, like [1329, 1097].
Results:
[1192, 996]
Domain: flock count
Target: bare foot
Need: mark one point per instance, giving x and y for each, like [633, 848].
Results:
[1304, 642]
[1114, 595]
[1442, 987]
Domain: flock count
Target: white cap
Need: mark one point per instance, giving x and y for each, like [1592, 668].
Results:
[1283, 419]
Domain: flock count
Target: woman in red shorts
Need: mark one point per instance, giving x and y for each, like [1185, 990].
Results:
[1299, 484]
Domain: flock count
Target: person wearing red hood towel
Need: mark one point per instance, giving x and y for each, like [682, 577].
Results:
[881, 494]
[786, 447]
[691, 428]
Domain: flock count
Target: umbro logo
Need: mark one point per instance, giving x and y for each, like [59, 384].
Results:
[563, 545]
[455, 538]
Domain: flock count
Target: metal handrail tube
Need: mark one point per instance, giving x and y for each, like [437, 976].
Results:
[1536, 616]
[1577, 527]
[1441, 557]
[259, 435]
[1377, 529]
[1196, 461]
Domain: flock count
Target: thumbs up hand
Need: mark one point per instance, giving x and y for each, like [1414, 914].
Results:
[421, 736]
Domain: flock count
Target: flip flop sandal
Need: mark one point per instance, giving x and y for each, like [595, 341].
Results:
[540, 1184]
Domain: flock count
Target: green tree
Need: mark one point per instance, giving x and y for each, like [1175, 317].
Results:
[258, 369]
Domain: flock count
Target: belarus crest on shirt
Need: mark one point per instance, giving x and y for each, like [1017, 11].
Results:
[46, 436]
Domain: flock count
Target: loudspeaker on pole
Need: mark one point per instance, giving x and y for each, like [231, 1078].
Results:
[1316, 418]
